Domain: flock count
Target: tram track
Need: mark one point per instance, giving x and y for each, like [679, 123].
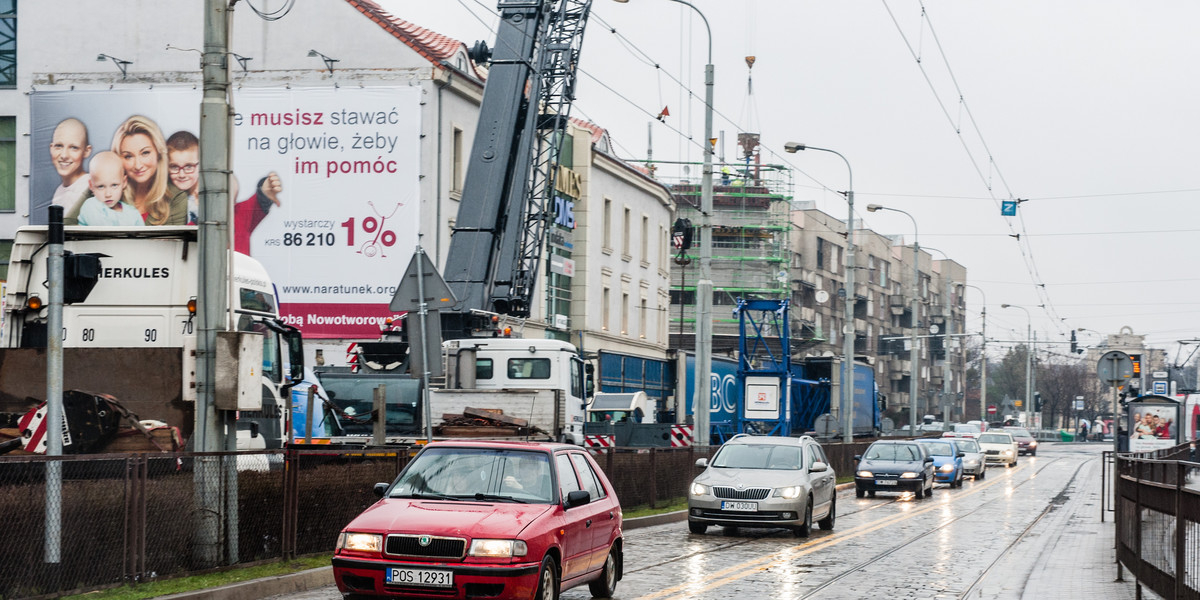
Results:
[783, 557]
[931, 531]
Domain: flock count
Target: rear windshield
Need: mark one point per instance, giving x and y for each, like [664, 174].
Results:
[995, 438]
[968, 445]
[1019, 432]
[893, 452]
[939, 449]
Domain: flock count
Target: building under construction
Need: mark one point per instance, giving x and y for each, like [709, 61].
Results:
[750, 239]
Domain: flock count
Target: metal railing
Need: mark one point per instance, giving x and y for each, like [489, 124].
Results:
[1157, 505]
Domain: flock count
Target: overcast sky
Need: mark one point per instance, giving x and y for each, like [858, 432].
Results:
[1087, 108]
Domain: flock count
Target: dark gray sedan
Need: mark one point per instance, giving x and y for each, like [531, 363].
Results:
[894, 466]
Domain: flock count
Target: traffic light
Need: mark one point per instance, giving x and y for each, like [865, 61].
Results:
[1074, 344]
[1037, 402]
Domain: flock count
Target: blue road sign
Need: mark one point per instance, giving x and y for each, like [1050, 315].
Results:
[1160, 388]
[1008, 208]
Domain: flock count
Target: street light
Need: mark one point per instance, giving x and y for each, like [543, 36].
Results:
[1028, 361]
[704, 287]
[848, 327]
[913, 355]
[983, 356]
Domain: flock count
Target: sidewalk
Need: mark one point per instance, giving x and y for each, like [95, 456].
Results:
[1070, 553]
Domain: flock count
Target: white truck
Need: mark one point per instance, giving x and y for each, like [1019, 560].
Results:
[539, 380]
[133, 336]
[620, 408]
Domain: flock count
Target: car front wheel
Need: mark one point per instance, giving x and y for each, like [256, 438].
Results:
[547, 580]
[606, 584]
[827, 522]
[695, 527]
[803, 529]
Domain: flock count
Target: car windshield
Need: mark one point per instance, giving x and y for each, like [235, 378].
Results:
[995, 438]
[904, 452]
[477, 474]
[758, 456]
[968, 446]
[966, 428]
[939, 448]
[1019, 432]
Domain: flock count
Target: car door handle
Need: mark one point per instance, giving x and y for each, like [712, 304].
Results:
[587, 523]
[611, 515]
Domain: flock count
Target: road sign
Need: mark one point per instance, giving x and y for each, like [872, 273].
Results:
[1160, 388]
[991, 409]
[437, 293]
[1008, 208]
[1160, 374]
[1114, 367]
[1079, 405]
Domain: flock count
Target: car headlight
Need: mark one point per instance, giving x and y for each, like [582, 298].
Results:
[866, 474]
[360, 542]
[1008, 452]
[497, 548]
[908, 475]
[1033, 444]
[788, 493]
[699, 489]
[947, 468]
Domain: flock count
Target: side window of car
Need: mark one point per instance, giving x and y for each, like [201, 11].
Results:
[567, 482]
[590, 482]
[818, 453]
[809, 457]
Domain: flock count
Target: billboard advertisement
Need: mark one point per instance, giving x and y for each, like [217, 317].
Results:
[1153, 425]
[325, 192]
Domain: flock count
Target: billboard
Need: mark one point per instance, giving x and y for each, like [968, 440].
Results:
[326, 183]
[1154, 424]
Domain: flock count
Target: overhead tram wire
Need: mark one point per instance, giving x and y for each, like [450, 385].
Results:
[275, 15]
[1023, 246]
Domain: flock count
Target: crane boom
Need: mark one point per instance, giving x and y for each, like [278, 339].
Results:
[496, 246]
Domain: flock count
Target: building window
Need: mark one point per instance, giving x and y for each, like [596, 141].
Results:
[8, 43]
[457, 167]
[607, 224]
[644, 316]
[558, 300]
[5, 257]
[645, 239]
[8, 164]
[625, 229]
[820, 253]
[624, 314]
[604, 296]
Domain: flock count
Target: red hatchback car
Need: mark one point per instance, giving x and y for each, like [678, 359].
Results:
[486, 519]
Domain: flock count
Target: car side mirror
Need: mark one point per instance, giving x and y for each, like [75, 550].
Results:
[381, 489]
[929, 460]
[962, 454]
[578, 498]
[818, 467]
[701, 463]
[253, 429]
[857, 457]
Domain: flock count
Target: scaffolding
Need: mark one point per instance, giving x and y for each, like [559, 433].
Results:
[751, 253]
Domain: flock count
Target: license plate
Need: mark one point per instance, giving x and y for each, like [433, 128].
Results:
[420, 577]
[740, 506]
[886, 482]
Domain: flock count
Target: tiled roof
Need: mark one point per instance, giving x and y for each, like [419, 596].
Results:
[598, 132]
[434, 46]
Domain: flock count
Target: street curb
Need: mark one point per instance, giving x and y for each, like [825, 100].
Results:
[652, 520]
[262, 588]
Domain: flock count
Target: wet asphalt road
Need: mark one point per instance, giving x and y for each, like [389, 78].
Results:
[959, 543]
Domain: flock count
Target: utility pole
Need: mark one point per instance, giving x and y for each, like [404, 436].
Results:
[213, 311]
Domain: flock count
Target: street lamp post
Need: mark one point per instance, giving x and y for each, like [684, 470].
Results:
[913, 354]
[1028, 362]
[848, 327]
[704, 286]
[982, 356]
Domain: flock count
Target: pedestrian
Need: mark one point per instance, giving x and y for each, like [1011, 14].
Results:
[1083, 430]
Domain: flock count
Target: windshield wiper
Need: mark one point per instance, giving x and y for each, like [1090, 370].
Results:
[428, 495]
[499, 498]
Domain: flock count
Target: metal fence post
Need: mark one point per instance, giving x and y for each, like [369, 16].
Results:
[291, 503]
[1180, 538]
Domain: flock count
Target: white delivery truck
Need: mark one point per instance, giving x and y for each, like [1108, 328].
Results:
[132, 336]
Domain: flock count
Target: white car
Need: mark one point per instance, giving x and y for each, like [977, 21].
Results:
[998, 447]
